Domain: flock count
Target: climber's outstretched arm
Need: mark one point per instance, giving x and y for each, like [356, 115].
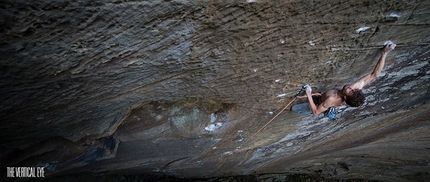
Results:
[378, 68]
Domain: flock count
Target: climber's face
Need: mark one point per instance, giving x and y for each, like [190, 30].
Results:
[347, 90]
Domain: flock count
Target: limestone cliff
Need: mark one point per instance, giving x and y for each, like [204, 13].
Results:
[179, 87]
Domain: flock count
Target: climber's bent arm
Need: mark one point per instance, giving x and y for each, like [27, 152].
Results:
[315, 110]
[313, 94]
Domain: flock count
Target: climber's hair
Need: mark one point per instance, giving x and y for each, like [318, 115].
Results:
[356, 99]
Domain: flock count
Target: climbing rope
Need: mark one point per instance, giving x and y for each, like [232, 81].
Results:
[295, 97]
[223, 158]
[273, 118]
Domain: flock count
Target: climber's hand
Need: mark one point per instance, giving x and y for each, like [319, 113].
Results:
[309, 90]
[389, 47]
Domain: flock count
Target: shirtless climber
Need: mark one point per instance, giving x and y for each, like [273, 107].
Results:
[351, 94]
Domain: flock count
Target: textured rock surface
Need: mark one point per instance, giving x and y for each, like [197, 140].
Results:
[177, 87]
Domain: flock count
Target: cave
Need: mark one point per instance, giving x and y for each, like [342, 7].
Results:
[177, 90]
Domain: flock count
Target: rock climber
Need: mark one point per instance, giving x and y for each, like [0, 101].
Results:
[351, 94]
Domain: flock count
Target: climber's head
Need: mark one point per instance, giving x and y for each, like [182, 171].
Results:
[353, 97]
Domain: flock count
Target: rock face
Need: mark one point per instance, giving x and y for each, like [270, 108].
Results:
[181, 87]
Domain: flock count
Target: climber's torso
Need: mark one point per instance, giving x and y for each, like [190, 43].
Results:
[333, 97]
